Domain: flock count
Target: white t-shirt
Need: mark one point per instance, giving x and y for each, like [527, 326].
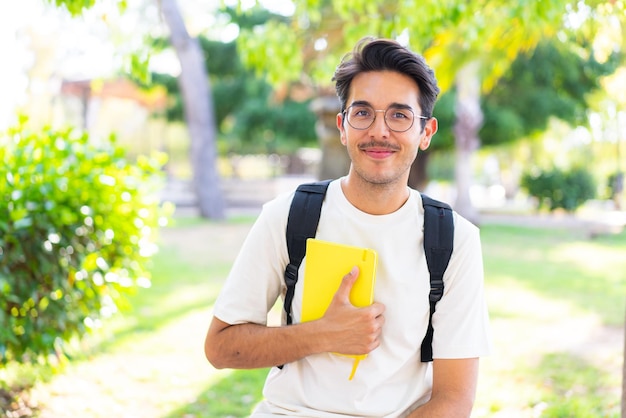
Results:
[392, 380]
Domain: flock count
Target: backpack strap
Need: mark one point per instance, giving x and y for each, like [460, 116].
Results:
[302, 223]
[438, 244]
[304, 216]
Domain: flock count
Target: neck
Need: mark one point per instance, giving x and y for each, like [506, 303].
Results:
[374, 199]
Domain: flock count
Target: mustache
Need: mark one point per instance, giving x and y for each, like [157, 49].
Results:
[379, 144]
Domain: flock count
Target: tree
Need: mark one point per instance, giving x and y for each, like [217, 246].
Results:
[199, 113]
[249, 116]
[198, 106]
[470, 45]
[552, 80]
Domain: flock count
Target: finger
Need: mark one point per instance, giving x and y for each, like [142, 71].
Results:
[378, 309]
[346, 284]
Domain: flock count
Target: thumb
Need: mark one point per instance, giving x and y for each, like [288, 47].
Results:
[343, 293]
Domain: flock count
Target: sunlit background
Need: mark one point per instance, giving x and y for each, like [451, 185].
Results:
[555, 277]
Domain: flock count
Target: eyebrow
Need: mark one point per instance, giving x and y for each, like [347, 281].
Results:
[394, 104]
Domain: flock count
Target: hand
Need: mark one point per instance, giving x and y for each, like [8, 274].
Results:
[352, 330]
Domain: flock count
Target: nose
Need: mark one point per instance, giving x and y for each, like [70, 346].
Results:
[379, 126]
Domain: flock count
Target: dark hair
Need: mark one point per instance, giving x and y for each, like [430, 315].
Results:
[372, 54]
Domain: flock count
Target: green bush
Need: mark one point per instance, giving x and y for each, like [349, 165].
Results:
[78, 226]
[560, 189]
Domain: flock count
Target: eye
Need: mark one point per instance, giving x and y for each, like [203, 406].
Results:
[395, 113]
[361, 112]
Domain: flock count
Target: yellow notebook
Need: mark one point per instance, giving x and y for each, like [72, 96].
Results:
[326, 264]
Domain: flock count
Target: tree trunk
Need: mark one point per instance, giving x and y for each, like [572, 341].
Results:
[199, 113]
[469, 118]
[418, 176]
[335, 161]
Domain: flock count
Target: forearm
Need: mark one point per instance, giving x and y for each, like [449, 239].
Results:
[248, 346]
[343, 329]
[444, 407]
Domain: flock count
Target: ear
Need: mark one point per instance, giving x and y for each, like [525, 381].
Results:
[430, 128]
[342, 131]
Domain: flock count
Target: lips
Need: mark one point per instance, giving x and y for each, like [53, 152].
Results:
[378, 153]
[378, 150]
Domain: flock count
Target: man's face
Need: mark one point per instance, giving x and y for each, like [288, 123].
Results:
[378, 154]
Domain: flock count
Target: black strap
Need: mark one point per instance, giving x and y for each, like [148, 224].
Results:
[304, 216]
[438, 244]
[302, 222]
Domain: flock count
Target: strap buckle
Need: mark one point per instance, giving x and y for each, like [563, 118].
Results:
[291, 275]
[436, 289]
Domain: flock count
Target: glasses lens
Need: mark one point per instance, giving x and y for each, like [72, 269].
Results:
[360, 117]
[399, 119]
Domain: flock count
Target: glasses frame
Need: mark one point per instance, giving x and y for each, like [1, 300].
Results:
[384, 112]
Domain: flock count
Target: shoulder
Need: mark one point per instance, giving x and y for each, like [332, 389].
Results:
[277, 209]
[464, 230]
[464, 227]
[467, 244]
[279, 205]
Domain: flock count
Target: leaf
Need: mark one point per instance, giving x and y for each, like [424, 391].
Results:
[66, 199]
[25, 222]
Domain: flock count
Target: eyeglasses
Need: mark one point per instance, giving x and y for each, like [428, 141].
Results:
[397, 118]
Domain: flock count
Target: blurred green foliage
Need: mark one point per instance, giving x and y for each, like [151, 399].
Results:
[76, 7]
[78, 227]
[574, 387]
[552, 80]
[560, 189]
[251, 116]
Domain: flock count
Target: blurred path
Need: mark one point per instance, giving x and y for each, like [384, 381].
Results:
[157, 372]
[247, 197]
[147, 379]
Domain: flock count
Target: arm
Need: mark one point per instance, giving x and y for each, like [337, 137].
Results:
[454, 389]
[343, 329]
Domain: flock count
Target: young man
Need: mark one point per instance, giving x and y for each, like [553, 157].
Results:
[387, 95]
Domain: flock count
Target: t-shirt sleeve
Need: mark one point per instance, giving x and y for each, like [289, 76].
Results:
[255, 280]
[461, 319]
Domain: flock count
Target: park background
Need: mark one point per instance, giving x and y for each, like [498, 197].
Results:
[532, 109]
